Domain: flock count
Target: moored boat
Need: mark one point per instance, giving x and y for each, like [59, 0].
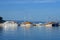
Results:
[10, 23]
[26, 24]
[52, 24]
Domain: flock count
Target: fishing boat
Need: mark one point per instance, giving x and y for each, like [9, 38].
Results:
[52, 24]
[10, 23]
[26, 24]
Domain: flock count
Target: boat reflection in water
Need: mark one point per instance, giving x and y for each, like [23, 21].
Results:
[1, 29]
[10, 25]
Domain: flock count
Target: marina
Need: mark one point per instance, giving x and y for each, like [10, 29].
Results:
[29, 19]
[28, 32]
[28, 24]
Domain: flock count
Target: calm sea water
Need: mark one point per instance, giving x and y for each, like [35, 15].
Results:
[33, 33]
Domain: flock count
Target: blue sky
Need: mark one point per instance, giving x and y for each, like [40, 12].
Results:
[34, 10]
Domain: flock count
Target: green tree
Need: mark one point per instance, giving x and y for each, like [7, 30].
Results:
[1, 18]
